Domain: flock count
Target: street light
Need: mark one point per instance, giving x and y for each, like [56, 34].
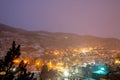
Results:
[14, 69]
[16, 61]
[66, 74]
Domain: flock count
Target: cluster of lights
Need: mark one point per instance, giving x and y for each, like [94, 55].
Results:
[66, 73]
[2, 73]
[17, 61]
[117, 61]
[38, 63]
[100, 69]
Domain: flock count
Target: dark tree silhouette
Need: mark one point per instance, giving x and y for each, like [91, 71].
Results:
[10, 70]
[52, 74]
[47, 74]
[44, 72]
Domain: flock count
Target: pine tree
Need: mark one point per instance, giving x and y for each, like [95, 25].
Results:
[44, 72]
[10, 70]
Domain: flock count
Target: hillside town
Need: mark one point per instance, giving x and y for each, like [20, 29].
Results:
[66, 56]
[72, 63]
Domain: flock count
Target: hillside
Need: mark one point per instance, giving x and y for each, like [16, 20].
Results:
[34, 41]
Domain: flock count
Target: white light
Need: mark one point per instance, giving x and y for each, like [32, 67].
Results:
[14, 69]
[66, 73]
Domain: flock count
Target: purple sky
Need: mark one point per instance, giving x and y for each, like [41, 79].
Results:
[86, 17]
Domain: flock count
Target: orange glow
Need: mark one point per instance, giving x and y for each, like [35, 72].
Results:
[38, 63]
[75, 50]
[60, 67]
[59, 64]
[16, 61]
[26, 61]
[50, 65]
[2, 73]
[85, 50]
[117, 61]
[56, 52]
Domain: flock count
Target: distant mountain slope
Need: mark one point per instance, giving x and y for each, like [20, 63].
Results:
[4, 27]
[58, 40]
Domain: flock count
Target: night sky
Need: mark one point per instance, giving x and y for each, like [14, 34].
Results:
[85, 17]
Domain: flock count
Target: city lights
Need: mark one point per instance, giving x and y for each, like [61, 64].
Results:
[16, 61]
[50, 65]
[117, 61]
[2, 73]
[56, 52]
[26, 60]
[73, 62]
[66, 73]
[38, 63]
[100, 69]
[14, 69]
[85, 51]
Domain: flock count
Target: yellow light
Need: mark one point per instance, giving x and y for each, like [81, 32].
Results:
[59, 64]
[75, 50]
[26, 61]
[117, 61]
[2, 73]
[56, 52]
[16, 61]
[60, 67]
[38, 63]
[50, 65]
[85, 50]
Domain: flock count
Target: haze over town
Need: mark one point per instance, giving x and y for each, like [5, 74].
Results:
[84, 17]
[60, 40]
